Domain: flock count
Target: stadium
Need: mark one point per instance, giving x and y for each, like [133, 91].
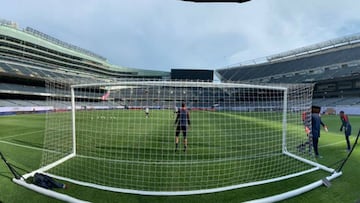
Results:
[45, 82]
[332, 65]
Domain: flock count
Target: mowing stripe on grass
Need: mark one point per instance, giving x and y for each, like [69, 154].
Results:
[267, 123]
[264, 122]
[176, 162]
[21, 134]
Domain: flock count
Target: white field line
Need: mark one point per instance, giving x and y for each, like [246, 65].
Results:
[332, 144]
[2, 140]
[29, 147]
[21, 134]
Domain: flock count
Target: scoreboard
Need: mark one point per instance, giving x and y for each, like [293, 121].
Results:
[192, 74]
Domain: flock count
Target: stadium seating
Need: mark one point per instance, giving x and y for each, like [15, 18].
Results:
[21, 103]
[17, 88]
[333, 102]
[296, 64]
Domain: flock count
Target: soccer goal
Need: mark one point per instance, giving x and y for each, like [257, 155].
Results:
[120, 136]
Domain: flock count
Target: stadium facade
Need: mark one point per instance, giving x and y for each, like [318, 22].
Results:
[334, 67]
[29, 57]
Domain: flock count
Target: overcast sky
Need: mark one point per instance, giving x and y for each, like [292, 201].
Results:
[165, 34]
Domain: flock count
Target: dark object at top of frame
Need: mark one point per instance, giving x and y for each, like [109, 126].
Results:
[218, 1]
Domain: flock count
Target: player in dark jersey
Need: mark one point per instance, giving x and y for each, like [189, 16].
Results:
[316, 124]
[182, 123]
[345, 123]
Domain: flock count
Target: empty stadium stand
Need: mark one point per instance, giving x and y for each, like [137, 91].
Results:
[309, 64]
[29, 58]
[334, 67]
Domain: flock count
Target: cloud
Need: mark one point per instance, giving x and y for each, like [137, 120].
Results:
[286, 25]
[163, 34]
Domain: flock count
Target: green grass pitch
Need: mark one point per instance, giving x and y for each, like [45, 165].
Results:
[138, 153]
[21, 141]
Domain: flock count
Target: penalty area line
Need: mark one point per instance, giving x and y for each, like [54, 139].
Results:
[28, 147]
[21, 134]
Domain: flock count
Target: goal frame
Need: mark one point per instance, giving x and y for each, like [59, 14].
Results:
[315, 166]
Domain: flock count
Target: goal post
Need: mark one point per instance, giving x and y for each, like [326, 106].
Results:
[120, 136]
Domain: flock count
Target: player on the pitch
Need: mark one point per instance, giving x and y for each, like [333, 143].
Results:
[147, 112]
[316, 122]
[305, 117]
[345, 123]
[182, 123]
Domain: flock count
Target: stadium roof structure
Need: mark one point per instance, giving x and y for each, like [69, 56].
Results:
[8, 28]
[346, 40]
[302, 51]
[336, 57]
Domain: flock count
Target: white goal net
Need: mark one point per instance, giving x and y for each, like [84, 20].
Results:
[122, 136]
